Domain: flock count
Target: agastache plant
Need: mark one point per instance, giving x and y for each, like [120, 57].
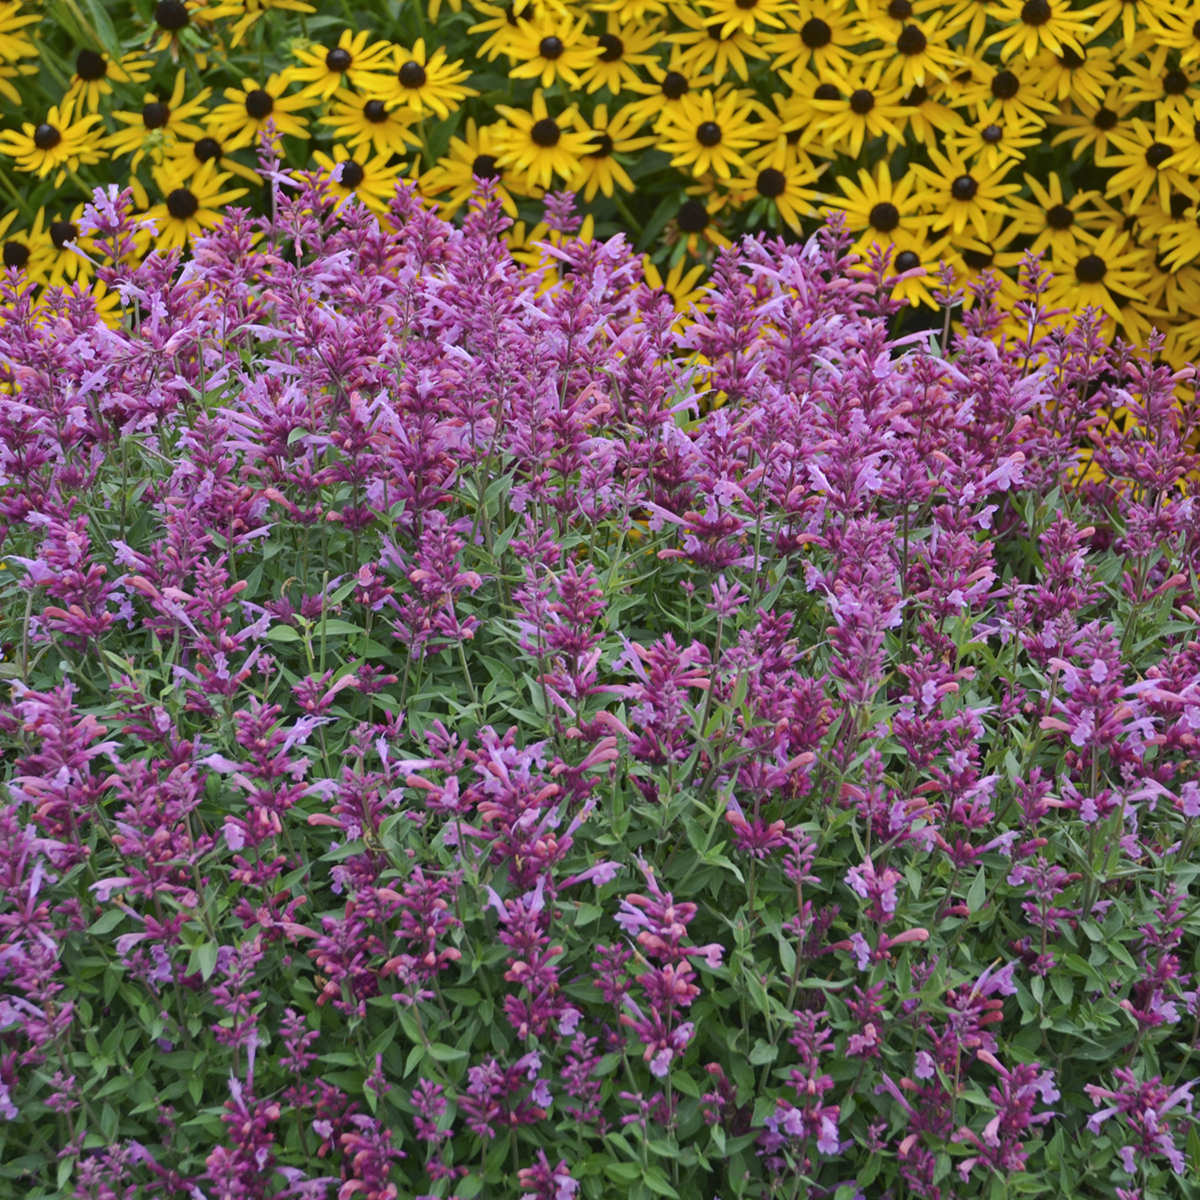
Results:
[469, 727]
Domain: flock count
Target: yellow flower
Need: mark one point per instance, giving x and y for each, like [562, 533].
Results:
[1141, 156]
[184, 157]
[538, 146]
[1056, 224]
[1109, 271]
[355, 61]
[961, 193]
[158, 126]
[665, 90]
[598, 169]
[383, 126]
[1081, 78]
[923, 114]
[427, 83]
[868, 109]
[547, 48]
[1092, 127]
[60, 263]
[738, 16]
[709, 131]
[995, 139]
[878, 209]
[54, 146]
[22, 251]
[241, 119]
[499, 24]
[920, 55]
[172, 20]
[1016, 88]
[95, 73]
[249, 11]
[371, 179]
[1033, 25]
[623, 48]
[188, 205]
[705, 47]
[783, 190]
[693, 227]
[683, 283]
[820, 37]
[473, 155]
[1152, 79]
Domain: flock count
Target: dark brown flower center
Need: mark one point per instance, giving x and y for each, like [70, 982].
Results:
[826, 91]
[692, 216]
[182, 204]
[551, 47]
[171, 15]
[338, 59]
[991, 134]
[964, 188]
[484, 167]
[46, 137]
[708, 133]
[352, 175]
[16, 254]
[674, 85]
[90, 66]
[1059, 216]
[1091, 268]
[1105, 118]
[906, 260]
[155, 114]
[259, 103]
[207, 148]
[1175, 83]
[1156, 154]
[545, 132]
[375, 111]
[1035, 12]
[611, 47]
[884, 217]
[861, 101]
[899, 10]
[911, 40]
[1070, 59]
[62, 232]
[771, 183]
[1005, 85]
[815, 33]
[412, 75]
[602, 146]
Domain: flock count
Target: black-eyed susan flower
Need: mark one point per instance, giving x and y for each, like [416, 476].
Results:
[474, 155]
[380, 124]
[1083, 78]
[59, 261]
[919, 55]
[666, 88]
[1091, 127]
[867, 109]
[909, 252]
[710, 131]
[187, 205]
[355, 61]
[705, 47]
[1056, 222]
[695, 226]
[963, 194]
[358, 173]
[746, 16]
[1134, 17]
[538, 146]
[171, 23]
[1153, 79]
[925, 115]
[247, 109]
[878, 209]
[58, 144]
[821, 38]
[185, 157]
[427, 83]
[18, 252]
[248, 12]
[499, 22]
[1179, 241]
[1139, 156]
[600, 169]
[154, 129]
[785, 191]
[547, 47]
[1016, 88]
[1110, 272]
[1178, 29]
[995, 138]
[624, 49]
[95, 73]
[1028, 26]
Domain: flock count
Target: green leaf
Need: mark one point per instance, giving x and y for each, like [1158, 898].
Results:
[282, 633]
[106, 922]
[977, 892]
[657, 1182]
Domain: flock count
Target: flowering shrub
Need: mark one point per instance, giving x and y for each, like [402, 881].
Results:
[946, 130]
[440, 761]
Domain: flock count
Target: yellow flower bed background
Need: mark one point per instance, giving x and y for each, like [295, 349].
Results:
[963, 132]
